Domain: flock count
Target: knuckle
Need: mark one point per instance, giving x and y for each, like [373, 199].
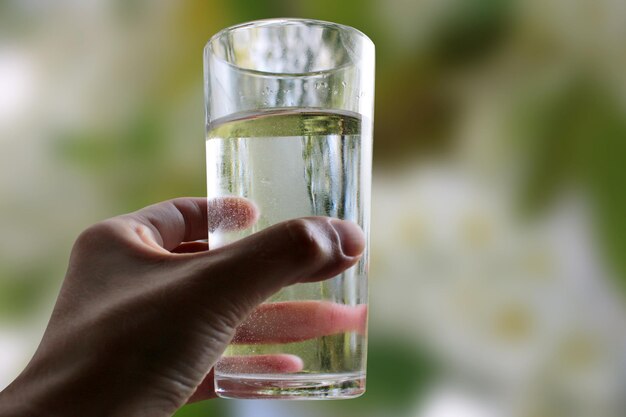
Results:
[306, 239]
[98, 235]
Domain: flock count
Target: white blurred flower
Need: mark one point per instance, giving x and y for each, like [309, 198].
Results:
[18, 86]
[449, 401]
[492, 296]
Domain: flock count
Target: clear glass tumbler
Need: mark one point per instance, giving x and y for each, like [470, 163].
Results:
[289, 108]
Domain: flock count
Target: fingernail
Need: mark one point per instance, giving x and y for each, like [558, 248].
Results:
[351, 237]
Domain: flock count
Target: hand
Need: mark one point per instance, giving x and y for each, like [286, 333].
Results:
[145, 311]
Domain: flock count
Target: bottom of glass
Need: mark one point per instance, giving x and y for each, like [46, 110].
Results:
[290, 386]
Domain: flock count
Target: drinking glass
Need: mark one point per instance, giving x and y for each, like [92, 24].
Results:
[289, 108]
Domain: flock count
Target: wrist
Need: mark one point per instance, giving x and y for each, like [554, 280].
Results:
[58, 392]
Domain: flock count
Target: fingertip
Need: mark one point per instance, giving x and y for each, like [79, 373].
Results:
[231, 213]
[362, 319]
[285, 363]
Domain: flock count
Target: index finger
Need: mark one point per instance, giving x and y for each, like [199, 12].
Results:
[295, 321]
[172, 222]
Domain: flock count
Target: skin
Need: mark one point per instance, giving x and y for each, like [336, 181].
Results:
[145, 311]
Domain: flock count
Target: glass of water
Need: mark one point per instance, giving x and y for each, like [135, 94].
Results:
[289, 107]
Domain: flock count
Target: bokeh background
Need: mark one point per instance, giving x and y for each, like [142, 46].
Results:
[498, 276]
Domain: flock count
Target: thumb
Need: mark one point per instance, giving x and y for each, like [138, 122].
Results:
[301, 250]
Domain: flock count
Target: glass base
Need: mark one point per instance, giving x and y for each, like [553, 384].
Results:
[290, 387]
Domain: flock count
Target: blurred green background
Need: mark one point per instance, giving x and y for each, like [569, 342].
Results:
[499, 201]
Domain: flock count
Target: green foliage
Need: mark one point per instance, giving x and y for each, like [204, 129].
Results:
[471, 30]
[133, 165]
[129, 10]
[141, 142]
[212, 408]
[247, 10]
[576, 135]
[397, 373]
[606, 171]
[24, 291]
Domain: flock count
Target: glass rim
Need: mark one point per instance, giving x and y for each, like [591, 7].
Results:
[285, 20]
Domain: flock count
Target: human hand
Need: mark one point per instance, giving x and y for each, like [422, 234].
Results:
[145, 311]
